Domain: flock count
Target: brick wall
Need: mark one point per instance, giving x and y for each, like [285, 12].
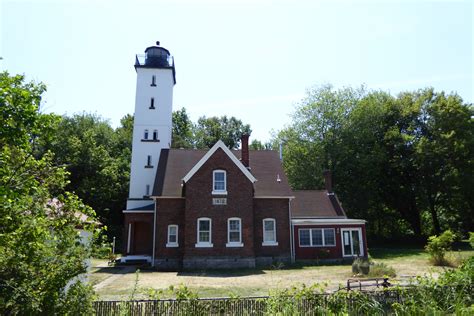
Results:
[169, 212]
[199, 204]
[277, 209]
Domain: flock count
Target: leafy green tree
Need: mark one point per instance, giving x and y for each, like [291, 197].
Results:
[403, 163]
[258, 145]
[182, 130]
[98, 159]
[312, 140]
[209, 130]
[40, 250]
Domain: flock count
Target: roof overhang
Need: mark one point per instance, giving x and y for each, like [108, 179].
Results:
[137, 211]
[325, 221]
[274, 197]
[220, 144]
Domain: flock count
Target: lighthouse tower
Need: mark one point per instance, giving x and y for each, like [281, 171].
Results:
[156, 78]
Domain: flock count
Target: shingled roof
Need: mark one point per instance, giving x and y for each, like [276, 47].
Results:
[265, 166]
[316, 204]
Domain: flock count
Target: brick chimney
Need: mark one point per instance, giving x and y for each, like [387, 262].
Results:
[245, 149]
[328, 180]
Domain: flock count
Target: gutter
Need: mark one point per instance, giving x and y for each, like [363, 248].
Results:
[292, 246]
[154, 234]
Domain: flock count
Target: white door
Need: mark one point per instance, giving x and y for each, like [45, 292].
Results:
[352, 243]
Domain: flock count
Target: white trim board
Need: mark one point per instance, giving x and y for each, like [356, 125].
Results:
[138, 211]
[325, 221]
[220, 144]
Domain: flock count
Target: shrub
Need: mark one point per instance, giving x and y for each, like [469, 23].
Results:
[378, 270]
[361, 266]
[438, 246]
[471, 239]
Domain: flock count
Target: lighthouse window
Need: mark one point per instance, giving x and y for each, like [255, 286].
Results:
[155, 135]
[152, 104]
[148, 162]
[153, 81]
[145, 135]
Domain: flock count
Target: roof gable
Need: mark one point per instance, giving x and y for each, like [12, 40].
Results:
[220, 144]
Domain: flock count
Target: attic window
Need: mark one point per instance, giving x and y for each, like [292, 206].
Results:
[219, 182]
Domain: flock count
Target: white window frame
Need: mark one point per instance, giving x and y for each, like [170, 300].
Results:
[234, 243]
[145, 134]
[155, 134]
[324, 245]
[273, 242]
[170, 244]
[204, 244]
[214, 191]
[361, 241]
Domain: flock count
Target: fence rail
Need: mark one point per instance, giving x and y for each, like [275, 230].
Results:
[237, 306]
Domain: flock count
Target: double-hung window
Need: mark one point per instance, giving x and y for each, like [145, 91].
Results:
[269, 232]
[219, 182]
[172, 236]
[317, 237]
[204, 232]
[234, 232]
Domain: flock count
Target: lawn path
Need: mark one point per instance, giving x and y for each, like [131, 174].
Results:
[114, 277]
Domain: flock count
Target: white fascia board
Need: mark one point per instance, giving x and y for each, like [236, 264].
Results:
[324, 221]
[273, 197]
[167, 197]
[137, 211]
[220, 144]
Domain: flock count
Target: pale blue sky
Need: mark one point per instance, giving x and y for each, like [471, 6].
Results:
[251, 59]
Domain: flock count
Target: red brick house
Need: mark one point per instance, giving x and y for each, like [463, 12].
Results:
[222, 208]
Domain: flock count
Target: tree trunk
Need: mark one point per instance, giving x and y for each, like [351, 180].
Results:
[434, 216]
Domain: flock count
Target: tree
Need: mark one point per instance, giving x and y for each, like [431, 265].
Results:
[182, 130]
[403, 163]
[98, 159]
[39, 245]
[209, 130]
[312, 140]
[258, 145]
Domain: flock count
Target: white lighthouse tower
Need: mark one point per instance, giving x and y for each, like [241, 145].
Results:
[156, 78]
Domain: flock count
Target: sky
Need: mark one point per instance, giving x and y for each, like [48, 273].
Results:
[252, 59]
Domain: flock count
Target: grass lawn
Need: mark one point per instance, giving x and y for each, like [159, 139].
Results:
[255, 282]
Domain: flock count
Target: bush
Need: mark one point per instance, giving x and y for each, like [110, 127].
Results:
[361, 266]
[438, 246]
[379, 270]
[471, 239]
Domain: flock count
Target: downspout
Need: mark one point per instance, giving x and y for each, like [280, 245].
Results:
[154, 234]
[292, 246]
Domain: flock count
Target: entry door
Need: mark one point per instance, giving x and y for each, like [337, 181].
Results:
[352, 244]
[142, 238]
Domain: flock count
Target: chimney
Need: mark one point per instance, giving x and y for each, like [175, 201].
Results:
[328, 180]
[245, 150]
